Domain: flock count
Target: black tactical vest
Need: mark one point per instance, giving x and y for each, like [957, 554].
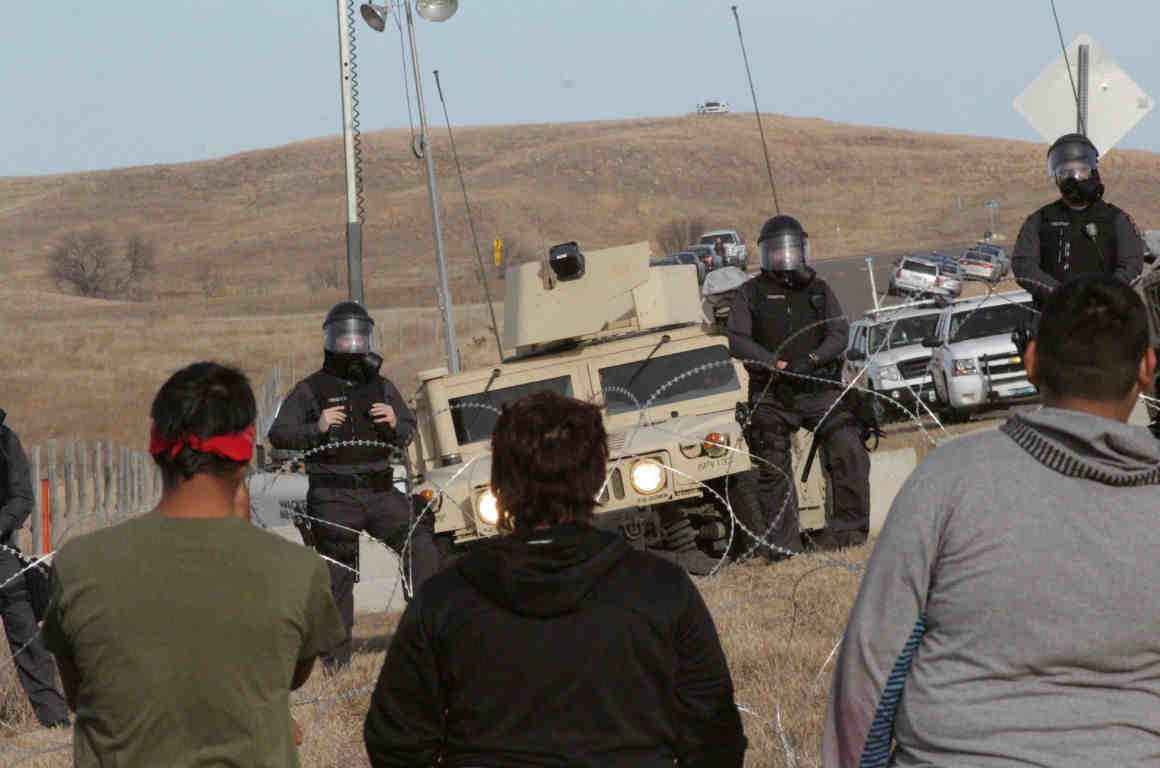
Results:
[1075, 242]
[780, 312]
[330, 390]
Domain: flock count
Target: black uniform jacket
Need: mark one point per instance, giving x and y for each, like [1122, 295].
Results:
[826, 340]
[16, 498]
[563, 648]
[1058, 241]
[295, 428]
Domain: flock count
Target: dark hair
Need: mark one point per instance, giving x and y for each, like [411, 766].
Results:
[203, 399]
[1092, 335]
[549, 455]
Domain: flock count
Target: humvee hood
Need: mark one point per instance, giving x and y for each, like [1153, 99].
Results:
[545, 572]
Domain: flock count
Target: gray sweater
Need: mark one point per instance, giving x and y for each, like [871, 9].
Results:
[1031, 555]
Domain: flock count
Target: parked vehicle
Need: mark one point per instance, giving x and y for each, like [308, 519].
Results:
[682, 257]
[707, 255]
[736, 252]
[984, 261]
[632, 340]
[887, 344]
[926, 275]
[712, 107]
[974, 363]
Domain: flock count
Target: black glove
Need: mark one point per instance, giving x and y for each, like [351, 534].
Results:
[802, 366]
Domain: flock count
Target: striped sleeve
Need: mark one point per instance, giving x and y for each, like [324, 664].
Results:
[885, 629]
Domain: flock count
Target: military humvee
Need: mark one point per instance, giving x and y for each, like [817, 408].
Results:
[610, 330]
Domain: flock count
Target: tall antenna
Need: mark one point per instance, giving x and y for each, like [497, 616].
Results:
[1063, 45]
[470, 219]
[756, 111]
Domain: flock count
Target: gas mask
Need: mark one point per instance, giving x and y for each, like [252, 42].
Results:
[796, 278]
[1081, 192]
[359, 367]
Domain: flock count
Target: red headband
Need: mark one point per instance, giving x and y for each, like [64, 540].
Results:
[238, 446]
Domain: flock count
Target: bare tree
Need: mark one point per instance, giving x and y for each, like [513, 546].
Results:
[87, 263]
[140, 265]
[678, 233]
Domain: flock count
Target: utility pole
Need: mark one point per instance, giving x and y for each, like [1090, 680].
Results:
[1081, 101]
[354, 265]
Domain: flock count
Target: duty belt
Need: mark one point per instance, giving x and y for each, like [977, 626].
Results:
[380, 481]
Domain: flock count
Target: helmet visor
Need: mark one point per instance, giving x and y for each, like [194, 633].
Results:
[1072, 159]
[785, 252]
[350, 335]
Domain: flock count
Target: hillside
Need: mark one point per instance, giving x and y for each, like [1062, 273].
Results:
[264, 220]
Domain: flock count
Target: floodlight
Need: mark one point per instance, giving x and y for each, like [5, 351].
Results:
[436, 10]
[374, 15]
[566, 261]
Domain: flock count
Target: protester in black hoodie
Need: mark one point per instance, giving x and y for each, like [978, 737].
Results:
[558, 644]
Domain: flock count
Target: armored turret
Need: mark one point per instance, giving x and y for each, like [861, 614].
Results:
[571, 295]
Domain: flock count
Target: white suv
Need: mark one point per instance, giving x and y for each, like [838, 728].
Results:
[888, 345]
[712, 107]
[974, 362]
[925, 276]
[984, 261]
[736, 254]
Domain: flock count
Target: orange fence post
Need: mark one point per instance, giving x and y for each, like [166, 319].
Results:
[45, 516]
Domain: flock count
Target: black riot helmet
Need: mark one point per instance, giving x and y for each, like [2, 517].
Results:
[1072, 156]
[348, 329]
[783, 244]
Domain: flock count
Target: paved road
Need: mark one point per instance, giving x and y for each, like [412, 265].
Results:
[851, 282]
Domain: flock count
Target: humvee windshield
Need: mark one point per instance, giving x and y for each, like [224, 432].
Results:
[629, 386]
[474, 417]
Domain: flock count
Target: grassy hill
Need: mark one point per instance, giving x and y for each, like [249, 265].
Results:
[264, 220]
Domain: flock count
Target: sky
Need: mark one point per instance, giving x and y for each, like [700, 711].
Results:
[95, 85]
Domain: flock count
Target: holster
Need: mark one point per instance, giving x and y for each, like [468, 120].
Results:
[860, 404]
[306, 530]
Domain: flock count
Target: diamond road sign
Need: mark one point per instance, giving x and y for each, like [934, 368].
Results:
[1115, 103]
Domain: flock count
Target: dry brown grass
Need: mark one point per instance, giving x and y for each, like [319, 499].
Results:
[263, 220]
[778, 624]
[86, 369]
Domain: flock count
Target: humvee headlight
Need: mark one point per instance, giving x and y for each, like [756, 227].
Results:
[647, 476]
[715, 444]
[487, 507]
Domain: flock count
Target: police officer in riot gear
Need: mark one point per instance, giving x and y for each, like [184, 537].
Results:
[1079, 233]
[34, 665]
[352, 484]
[789, 321]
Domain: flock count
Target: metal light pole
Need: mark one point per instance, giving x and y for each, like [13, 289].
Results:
[873, 286]
[443, 291]
[354, 260]
[1081, 97]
